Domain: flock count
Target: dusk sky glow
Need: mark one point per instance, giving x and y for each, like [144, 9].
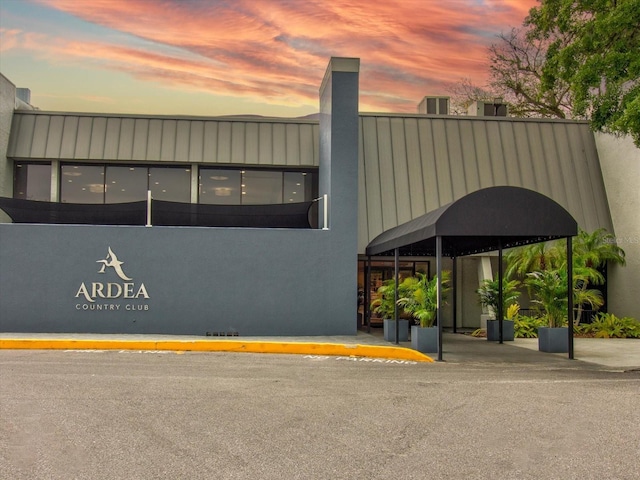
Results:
[264, 57]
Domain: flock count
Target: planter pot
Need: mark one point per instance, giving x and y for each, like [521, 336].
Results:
[390, 330]
[553, 340]
[493, 330]
[424, 339]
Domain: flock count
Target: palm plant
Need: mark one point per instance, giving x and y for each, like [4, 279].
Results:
[591, 251]
[488, 294]
[533, 258]
[384, 305]
[550, 290]
[420, 297]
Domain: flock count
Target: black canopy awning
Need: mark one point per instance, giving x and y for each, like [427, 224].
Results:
[482, 221]
[485, 220]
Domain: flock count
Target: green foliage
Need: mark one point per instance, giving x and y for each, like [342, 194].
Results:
[384, 305]
[600, 63]
[590, 252]
[479, 332]
[549, 288]
[512, 311]
[607, 325]
[488, 294]
[527, 327]
[419, 297]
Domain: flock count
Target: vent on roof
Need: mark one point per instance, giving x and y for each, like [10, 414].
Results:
[23, 94]
[488, 108]
[434, 106]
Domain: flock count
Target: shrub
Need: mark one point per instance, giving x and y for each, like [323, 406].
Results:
[527, 327]
[607, 325]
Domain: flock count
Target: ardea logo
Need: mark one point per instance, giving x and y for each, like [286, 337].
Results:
[113, 262]
[95, 292]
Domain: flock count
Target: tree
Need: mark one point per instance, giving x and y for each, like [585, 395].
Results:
[516, 64]
[593, 47]
[591, 252]
[464, 93]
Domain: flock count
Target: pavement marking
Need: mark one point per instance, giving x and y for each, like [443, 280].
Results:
[361, 359]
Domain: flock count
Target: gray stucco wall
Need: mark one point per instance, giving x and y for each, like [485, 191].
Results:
[249, 281]
[7, 105]
[620, 163]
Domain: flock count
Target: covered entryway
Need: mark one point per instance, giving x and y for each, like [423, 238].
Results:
[486, 220]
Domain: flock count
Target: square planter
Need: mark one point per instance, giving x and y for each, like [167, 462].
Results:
[493, 330]
[424, 339]
[389, 327]
[553, 340]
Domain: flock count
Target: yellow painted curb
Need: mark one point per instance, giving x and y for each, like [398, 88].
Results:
[300, 348]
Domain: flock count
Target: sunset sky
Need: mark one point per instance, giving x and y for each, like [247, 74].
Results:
[263, 57]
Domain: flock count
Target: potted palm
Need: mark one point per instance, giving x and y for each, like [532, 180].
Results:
[488, 295]
[420, 300]
[384, 306]
[549, 288]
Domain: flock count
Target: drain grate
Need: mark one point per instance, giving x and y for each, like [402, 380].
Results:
[222, 334]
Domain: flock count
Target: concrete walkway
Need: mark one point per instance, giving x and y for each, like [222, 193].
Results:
[622, 354]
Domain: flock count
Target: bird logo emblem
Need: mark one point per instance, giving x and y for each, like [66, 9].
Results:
[112, 261]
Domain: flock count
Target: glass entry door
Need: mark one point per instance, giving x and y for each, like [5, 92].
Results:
[381, 271]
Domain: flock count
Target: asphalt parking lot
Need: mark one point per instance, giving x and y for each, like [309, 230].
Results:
[155, 415]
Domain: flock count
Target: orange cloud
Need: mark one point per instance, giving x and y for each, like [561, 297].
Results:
[276, 50]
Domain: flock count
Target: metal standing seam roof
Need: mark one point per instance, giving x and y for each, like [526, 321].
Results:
[413, 164]
[408, 164]
[133, 138]
[482, 221]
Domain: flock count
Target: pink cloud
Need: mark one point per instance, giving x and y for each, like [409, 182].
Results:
[277, 50]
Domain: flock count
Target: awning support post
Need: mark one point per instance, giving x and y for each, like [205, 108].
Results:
[395, 296]
[570, 295]
[439, 294]
[367, 293]
[454, 281]
[500, 311]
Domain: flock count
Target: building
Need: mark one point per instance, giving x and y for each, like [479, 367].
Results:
[364, 173]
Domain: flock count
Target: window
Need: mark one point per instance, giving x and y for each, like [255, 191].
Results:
[121, 184]
[254, 187]
[295, 186]
[82, 184]
[261, 187]
[220, 187]
[170, 184]
[32, 181]
[126, 184]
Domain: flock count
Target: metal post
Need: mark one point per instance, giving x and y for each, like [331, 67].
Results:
[439, 294]
[454, 281]
[367, 293]
[325, 211]
[570, 295]
[395, 296]
[500, 312]
[148, 208]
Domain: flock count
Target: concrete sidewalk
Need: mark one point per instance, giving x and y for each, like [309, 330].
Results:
[623, 354]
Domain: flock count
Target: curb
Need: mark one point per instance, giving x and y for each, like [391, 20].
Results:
[299, 348]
